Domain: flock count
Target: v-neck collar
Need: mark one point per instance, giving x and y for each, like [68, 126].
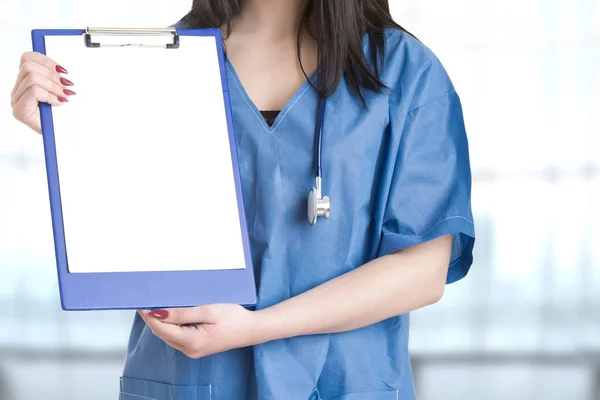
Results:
[284, 110]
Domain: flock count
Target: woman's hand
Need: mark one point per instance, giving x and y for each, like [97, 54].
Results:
[39, 81]
[385, 287]
[201, 331]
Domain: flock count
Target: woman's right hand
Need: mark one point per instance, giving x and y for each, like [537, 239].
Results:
[39, 80]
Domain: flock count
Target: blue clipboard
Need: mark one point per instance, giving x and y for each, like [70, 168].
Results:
[112, 289]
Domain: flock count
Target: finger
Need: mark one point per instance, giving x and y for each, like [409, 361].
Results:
[31, 59]
[182, 335]
[171, 343]
[190, 315]
[30, 67]
[26, 108]
[176, 346]
[188, 352]
[190, 340]
[38, 58]
[39, 80]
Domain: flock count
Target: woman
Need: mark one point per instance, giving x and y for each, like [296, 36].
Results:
[333, 300]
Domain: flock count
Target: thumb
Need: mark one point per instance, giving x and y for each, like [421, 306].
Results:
[183, 316]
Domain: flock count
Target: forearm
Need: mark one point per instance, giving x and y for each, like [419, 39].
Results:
[383, 288]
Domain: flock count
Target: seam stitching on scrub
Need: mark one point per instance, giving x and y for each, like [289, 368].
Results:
[446, 219]
[446, 94]
[289, 108]
[137, 395]
[393, 389]
[252, 108]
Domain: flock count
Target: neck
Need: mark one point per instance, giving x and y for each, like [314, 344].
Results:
[273, 18]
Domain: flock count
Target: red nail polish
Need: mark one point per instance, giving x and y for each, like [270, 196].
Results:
[61, 69]
[69, 92]
[62, 99]
[160, 314]
[66, 82]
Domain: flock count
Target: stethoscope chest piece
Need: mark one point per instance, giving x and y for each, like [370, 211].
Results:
[317, 206]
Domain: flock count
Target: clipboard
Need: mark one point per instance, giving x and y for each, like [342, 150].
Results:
[142, 167]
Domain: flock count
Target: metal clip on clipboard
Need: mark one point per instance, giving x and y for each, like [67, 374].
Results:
[122, 37]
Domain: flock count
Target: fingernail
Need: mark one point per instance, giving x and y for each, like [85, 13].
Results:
[61, 69]
[62, 100]
[66, 82]
[160, 314]
[69, 92]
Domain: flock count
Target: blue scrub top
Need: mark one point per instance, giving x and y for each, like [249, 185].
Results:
[398, 175]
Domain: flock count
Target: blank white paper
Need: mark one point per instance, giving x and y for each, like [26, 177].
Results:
[144, 160]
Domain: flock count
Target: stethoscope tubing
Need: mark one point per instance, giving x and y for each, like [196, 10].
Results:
[319, 137]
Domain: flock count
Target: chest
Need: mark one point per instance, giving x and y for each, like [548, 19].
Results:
[271, 73]
[276, 164]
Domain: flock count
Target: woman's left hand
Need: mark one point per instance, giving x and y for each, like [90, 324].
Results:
[201, 331]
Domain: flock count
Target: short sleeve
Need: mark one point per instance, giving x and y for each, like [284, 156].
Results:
[430, 190]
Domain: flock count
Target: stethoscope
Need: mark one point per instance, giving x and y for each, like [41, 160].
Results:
[318, 206]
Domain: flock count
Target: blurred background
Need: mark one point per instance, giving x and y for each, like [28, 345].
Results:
[525, 324]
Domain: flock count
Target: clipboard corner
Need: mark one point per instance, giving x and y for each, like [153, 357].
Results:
[37, 40]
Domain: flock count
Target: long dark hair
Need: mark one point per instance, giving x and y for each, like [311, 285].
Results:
[341, 27]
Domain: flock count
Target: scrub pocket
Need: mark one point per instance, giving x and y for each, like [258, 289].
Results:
[139, 389]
